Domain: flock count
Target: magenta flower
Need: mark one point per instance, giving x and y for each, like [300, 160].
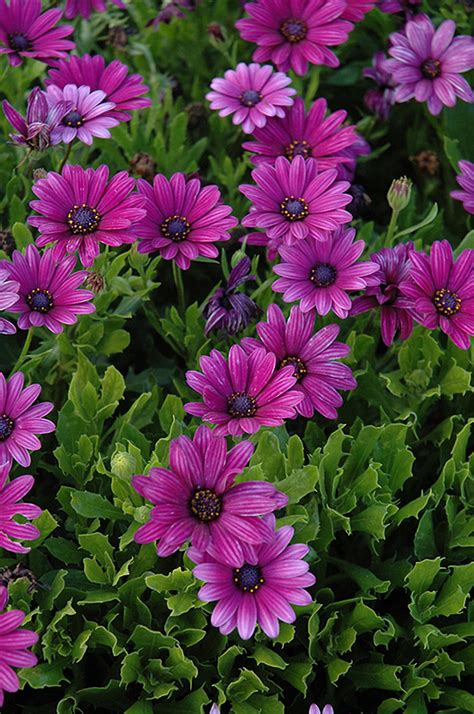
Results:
[408, 7]
[314, 709]
[86, 118]
[312, 356]
[48, 293]
[320, 274]
[80, 209]
[426, 64]
[308, 135]
[466, 180]
[252, 94]
[356, 11]
[10, 494]
[26, 32]
[244, 392]
[396, 313]
[294, 35]
[197, 499]
[124, 90]
[271, 244]
[8, 297]
[380, 100]
[35, 130]
[183, 220]
[84, 8]
[174, 8]
[292, 200]
[13, 650]
[443, 291]
[228, 310]
[20, 421]
[260, 589]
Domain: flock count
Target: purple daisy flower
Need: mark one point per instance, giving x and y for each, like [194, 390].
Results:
[197, 499]
[357, 9]
[292, 200]
[321, 273]
[174, 9]
[308, 135]
[312, 356]
[84, 8]
[443, 291]
[86, 118]
[271, 244]
[13, 650]
[80, 209]
[48, 293]
[228, 310]
[466, 180]
[35, 130]
[292, 35]
[350, 156]
[314, 709]
[426, 64]
[380, 100]
[8, 297]
[260, 589]
[396, 311]
[20, 421]
[183, 220]
[252, 94]
[10, 494]
[124, 90]
[244, 392]
[26, 32]
[408, 7]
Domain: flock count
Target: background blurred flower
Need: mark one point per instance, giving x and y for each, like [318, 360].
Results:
[380, 100]
[84, 8]
[466, 180]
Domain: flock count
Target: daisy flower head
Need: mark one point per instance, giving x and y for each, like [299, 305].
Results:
[443, 291]
[294, 35]
[252, 93]
[14, 643]
[357, 9]
[80, 209]
[292, 200]
[228, 310]
[466, 181]
[321, 274]
[35, 129]
[242, 393]
[86, 119]
[8, 297]
[183, 220]
[12, 532]
[84, 8]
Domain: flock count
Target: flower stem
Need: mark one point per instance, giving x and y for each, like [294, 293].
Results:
[391, 229]
[24, 351]
[65, 157]
[178, 280]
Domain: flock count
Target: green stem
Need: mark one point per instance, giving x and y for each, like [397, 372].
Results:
[391, 228]
[65, 157]
[178, 280]
[24, 351]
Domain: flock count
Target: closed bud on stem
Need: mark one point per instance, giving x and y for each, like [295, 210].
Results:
[398, 195]
[123, 464]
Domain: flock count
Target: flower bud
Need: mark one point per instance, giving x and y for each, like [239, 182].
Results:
[398, 195]
[143, 165]
[95, 282]
[123, 464]
[39, 173]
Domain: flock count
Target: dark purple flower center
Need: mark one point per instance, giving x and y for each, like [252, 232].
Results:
[294, 30]
[431, 68]
[176, 228]
[73, 119]
[298, 364]
[6, 427]
[298, 148]
[248, 578]
[83, 219]
[250, 98]
[446, 302]
[205, 505]
[294, 209]
[19, 42]
[40, 300]
[241, 405]
[323, 275]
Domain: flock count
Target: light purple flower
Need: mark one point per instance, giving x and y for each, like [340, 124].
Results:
[396, 311]
[8, 297]
[312, 356]
[408, 7]
[292, 200]
[260, 589]
[380, 100]
[123, 89]
[48, 293]
[13, 650]
[230, 311]
[197, 500]
[80, 209]
[314, 709]
[252, 93]
[35, 130]
[11, 532]
[27, 32]
[244, 392]
[320, 274]
[427, 64]
[84, 8]
[466, 180]
[20, 421]
[87, 117]
[294, 35]
[443, 291]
